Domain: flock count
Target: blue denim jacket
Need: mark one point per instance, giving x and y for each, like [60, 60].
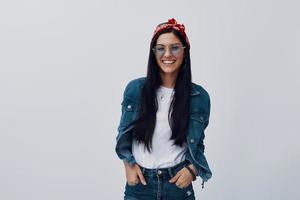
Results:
[198, 121]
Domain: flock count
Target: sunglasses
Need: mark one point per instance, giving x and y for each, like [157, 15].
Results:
[160, 50]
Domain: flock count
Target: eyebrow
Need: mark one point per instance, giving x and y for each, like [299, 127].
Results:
[170, 44]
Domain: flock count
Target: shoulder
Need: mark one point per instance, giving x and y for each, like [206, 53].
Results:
[133, 87]
[137, 82]
[199, 89]
[200, 101]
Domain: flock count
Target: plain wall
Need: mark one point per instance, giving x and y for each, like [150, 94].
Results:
[64, 65]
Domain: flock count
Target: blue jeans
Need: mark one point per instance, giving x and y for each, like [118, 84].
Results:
[158, 186]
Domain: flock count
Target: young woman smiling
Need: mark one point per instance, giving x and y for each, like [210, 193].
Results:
[161, 131]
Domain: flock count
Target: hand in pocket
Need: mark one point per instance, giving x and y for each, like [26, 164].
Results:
[134, 174]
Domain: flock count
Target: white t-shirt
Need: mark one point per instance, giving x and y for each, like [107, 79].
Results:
[163, 154]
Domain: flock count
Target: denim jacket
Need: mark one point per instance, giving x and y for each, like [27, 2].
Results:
[198, 121]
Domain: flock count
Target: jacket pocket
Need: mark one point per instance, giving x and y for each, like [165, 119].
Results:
[196, 129]
[198, 116]
[129, 112]
[201, 117]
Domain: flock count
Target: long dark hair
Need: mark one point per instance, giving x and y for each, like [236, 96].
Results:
[178, 114]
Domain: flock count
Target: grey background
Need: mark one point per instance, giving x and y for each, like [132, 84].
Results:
[64, 65]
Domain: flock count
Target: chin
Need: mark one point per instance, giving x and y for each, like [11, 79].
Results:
[167, 70]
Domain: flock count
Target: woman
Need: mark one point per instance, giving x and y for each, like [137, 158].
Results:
[161, 131]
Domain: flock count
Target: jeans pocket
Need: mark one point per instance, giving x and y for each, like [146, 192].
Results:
[187, 187]
[175, 192]
[127, 184]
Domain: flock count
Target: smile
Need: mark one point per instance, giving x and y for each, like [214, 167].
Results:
[168, 61]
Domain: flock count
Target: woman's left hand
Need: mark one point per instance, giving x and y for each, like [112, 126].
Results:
[183, 177]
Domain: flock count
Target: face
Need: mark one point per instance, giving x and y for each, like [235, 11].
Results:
[169, 53]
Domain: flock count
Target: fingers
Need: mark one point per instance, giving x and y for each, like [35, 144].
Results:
[182, 179]
[141, 176]
[182, 184]
[134, 175]
[133, 180]
[132, 183]
[175, 177]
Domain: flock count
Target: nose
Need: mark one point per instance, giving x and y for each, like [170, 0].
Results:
[168, 52]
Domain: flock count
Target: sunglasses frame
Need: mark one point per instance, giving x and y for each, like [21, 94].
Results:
[154, 50]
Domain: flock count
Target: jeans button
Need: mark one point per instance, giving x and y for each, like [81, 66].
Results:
[159, 172]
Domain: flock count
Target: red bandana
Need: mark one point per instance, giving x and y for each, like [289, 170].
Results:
[172, 23]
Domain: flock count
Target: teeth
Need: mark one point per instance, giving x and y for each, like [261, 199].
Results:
[168, 62]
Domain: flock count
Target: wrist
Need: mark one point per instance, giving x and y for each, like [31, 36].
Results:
[194, 169]
[191, 171]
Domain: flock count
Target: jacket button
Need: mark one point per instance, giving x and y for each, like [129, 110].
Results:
[129, 106]
[192, 140]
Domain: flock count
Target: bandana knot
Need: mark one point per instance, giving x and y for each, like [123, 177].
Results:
[172, 23]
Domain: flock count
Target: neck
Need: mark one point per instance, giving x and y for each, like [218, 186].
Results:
[168, 80]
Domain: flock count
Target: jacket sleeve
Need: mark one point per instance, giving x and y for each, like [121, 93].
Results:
[202, 167]
[208, 112]
[123, 146]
